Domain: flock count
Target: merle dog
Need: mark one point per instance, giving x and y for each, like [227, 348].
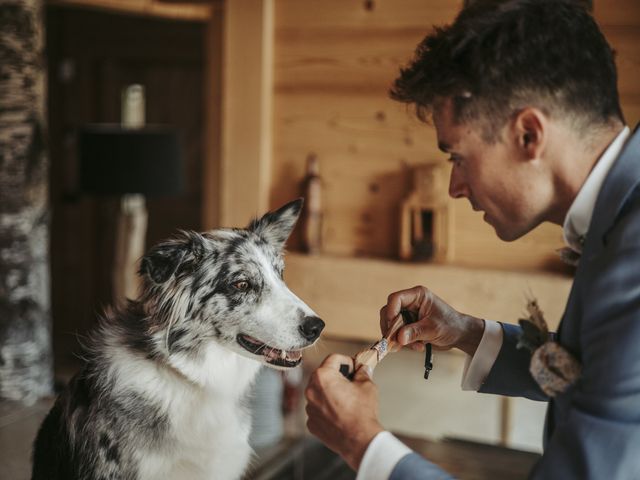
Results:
[162, 395]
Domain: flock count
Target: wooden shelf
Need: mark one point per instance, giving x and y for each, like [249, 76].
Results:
[348, 292]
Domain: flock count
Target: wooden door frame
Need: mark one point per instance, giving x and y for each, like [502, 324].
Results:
[239, 96]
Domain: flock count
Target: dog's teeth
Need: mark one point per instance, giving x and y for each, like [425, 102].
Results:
[283, 354]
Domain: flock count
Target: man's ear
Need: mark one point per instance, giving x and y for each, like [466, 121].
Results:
[163, 260]
[275, 227]
[530, 127]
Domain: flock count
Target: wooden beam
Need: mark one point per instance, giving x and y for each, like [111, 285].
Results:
[246, 110]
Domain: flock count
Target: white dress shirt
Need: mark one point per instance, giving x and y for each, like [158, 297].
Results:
[385, 450]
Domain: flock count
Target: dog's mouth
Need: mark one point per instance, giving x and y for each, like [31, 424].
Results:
[273, 356]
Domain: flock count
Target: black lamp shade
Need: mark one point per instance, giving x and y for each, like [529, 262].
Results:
[116, 160]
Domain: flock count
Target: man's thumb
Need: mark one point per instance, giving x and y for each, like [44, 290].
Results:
[363, 374]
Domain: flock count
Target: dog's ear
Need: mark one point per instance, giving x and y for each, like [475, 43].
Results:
[275, 227]
[163, 260]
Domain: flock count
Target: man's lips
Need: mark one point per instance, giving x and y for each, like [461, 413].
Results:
[272, 355]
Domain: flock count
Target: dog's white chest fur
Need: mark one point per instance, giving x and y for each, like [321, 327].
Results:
[208, 422]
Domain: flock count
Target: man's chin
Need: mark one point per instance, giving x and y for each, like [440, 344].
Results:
[508, 234]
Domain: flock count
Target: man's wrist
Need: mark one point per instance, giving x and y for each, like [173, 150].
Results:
[356, 448]
[474, 329]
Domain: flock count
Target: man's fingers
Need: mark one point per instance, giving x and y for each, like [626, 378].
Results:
[334, 361]
[383, 320]
[416, 332]
[408, 298]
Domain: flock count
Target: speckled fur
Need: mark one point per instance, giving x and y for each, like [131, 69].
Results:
[162, 395]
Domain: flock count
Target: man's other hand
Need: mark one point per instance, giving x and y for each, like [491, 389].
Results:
[343, 414]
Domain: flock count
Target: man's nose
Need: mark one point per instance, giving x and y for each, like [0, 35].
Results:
[311, 328]
[457, 187]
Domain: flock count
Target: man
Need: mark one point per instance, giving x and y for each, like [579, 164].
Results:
[524, 100]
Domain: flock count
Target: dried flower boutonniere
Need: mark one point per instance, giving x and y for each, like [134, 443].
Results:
[552, 366]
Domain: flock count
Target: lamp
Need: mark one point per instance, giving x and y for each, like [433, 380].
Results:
[131, 163]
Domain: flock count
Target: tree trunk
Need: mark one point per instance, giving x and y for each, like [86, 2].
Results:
[25, 326]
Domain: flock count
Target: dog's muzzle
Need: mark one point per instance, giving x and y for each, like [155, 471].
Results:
[310, 330]
[273, 356]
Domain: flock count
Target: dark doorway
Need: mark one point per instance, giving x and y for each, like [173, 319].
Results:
[91, 56]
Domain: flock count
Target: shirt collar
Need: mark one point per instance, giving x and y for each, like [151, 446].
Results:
[579, 215]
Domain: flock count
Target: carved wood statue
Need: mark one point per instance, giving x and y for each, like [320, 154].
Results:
[25, 331]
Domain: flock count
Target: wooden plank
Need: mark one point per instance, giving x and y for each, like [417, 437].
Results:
[617, 12]
[246, 110]
[353, 61]
[625, 40]
[362, 126]
[348, 293]
[476, 243]
[362, 14]
[631, 112]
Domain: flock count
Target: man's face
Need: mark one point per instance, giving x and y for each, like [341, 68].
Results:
[496, 178]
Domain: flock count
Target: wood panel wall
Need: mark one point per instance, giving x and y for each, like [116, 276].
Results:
[620, 22]
[334, 63]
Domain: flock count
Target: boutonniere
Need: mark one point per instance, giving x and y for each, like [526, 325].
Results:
[569, 256]
[552, 366]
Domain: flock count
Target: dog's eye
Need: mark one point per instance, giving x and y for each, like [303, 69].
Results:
[241, 285]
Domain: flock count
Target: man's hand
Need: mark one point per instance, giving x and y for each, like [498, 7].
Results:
[438, 323]
[343, 414]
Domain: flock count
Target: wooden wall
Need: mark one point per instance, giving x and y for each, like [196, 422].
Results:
[333, 64]
[620, 22]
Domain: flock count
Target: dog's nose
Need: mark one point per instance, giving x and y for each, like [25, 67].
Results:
[311, 328]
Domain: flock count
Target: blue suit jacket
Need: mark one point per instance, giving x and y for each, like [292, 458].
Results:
[592, 430]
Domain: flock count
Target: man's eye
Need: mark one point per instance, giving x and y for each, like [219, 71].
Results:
[241, 285]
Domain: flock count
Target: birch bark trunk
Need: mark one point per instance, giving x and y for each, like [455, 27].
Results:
[25, 324]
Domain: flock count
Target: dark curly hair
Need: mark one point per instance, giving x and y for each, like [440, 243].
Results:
[499, 56]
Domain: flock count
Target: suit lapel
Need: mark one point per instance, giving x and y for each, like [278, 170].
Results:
[621, 181]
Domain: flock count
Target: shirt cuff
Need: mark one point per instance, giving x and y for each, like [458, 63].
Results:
[381, 457]
[477, 368]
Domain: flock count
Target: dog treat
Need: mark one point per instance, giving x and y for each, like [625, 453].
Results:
[374, 354]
